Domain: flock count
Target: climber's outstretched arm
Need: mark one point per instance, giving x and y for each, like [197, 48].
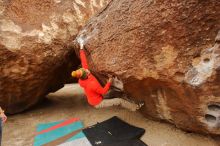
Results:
[83, 58]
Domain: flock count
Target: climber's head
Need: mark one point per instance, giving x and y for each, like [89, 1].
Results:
[81, 73]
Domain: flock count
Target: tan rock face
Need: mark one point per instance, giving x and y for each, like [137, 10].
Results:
[166, 56]
[34, 55]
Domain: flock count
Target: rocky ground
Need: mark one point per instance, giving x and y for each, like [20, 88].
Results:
[69, 102]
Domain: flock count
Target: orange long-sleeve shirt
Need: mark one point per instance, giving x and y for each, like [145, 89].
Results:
[92, 87]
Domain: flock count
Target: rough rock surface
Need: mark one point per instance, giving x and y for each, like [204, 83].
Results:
[165, 54]
[34, 56]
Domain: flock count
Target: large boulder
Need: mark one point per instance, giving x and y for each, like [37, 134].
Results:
[165, 54]
[35, 58]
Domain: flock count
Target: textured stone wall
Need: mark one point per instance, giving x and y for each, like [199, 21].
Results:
[165, 54]
[35, 56]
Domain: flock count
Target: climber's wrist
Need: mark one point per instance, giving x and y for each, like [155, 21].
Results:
[81, 46]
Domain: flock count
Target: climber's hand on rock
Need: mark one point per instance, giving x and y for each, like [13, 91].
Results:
[110, 80]
[110, 76]
[81, 46]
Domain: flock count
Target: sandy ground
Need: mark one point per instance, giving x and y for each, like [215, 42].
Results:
[69, 102]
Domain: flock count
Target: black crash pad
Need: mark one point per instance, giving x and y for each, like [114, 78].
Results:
[134, 142]
[113, 131]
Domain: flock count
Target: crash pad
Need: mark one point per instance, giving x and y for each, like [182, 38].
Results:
[48, 132]
[112, 131]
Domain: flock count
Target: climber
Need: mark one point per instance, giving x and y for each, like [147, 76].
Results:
[3, 119]
[94, 91]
